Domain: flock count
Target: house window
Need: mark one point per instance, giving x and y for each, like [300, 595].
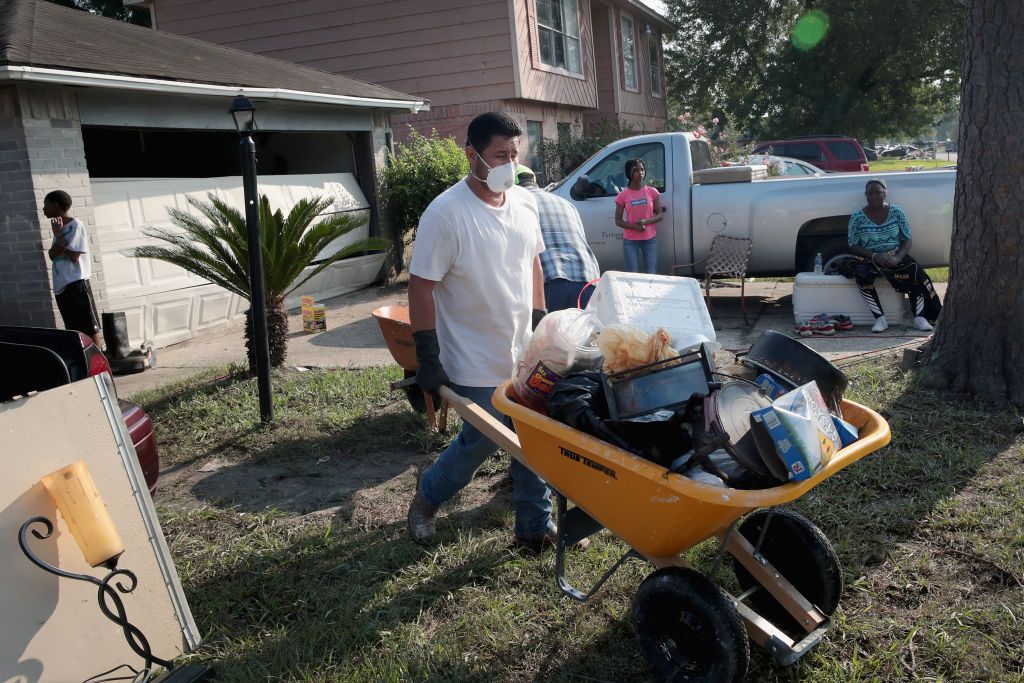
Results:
[628, 52]
[558, 31]
[654, 59]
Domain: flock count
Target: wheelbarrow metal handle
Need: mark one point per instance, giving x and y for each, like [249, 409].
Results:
[485, 422]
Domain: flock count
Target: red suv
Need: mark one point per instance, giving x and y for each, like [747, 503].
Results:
[830, 153]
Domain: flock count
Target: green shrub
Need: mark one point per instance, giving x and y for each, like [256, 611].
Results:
[420, 169]
[561, 157]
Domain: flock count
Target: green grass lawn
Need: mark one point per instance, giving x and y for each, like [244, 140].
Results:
[930, 532]
[888, 164]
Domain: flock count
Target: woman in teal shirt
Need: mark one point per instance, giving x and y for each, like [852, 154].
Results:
[879, 236]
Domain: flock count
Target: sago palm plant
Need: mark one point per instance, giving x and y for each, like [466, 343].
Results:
[214, 246]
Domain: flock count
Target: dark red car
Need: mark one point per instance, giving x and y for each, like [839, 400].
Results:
[37, 358]
[831, 153]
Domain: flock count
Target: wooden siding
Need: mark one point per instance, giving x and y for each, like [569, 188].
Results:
[546, 86]
[605, 61]
[642, 105]
[448, 51]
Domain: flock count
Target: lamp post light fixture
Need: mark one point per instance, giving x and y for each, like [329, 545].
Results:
[244, 113]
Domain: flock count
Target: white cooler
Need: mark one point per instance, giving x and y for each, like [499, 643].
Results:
[815, 293]
[647, 302]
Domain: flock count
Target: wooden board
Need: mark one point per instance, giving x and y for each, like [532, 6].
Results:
[52, 628]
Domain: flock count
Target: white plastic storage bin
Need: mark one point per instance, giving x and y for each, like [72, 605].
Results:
[815, 293]
[647, 302]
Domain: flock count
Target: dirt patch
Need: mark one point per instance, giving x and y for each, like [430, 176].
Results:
[369, 490]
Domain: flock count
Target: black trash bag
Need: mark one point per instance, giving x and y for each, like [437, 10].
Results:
[579, 401]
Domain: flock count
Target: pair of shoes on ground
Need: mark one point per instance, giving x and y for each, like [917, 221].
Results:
[824, 325]
[881, 324]
[422, 519]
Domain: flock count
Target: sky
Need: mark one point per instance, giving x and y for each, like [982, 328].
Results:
[656, 5]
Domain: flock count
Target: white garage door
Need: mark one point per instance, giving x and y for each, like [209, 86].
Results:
[163, 303]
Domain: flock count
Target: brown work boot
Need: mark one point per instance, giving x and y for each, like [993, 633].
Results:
[422, 519]
[549, 540]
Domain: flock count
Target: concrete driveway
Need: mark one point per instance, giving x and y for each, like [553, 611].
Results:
[353, 339]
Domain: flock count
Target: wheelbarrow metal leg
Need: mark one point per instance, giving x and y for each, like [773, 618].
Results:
[573, 526]
[439, 426]
[783, 649]
[807, 615]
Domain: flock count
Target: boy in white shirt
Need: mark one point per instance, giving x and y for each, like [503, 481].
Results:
[71, 267]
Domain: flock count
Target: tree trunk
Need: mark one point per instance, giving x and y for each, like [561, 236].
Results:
[979, 342]
[277, 334]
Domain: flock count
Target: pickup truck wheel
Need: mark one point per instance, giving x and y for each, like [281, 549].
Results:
[833, 252]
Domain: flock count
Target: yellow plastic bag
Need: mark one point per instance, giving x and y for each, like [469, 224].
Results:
[625, 348]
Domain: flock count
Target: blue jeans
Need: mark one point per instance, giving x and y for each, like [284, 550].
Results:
[631, 250]
[560, 294]
[455, 468]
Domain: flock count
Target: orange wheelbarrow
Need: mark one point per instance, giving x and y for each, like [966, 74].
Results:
[397, 332]
[688, 627]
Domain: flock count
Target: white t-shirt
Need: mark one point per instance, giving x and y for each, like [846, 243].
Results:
[481, 258]
[66, 271]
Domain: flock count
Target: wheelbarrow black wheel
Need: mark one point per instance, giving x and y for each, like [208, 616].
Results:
[688, 628]
[802, 554]
[414, 394]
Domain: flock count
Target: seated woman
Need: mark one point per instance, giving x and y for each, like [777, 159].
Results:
[879, 236]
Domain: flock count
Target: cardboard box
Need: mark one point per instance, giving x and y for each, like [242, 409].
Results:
[314, 316]
[770, 386]
[800, 429]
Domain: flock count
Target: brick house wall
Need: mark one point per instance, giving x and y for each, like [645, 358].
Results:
[41, 149]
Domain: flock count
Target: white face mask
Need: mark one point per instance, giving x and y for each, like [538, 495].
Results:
[499, 178]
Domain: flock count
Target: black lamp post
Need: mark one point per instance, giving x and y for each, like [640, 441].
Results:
[244, 114]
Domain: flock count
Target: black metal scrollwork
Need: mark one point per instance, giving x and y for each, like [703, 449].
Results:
[106, 595]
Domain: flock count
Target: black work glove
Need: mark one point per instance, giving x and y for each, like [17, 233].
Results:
[538, 315]
[430, 374]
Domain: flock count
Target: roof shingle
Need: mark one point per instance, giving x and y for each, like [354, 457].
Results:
[42, 34]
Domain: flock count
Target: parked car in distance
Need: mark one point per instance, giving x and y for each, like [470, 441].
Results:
[785, 165]
[37, 359]
[870, 154]
[899, 151]
[830, 153]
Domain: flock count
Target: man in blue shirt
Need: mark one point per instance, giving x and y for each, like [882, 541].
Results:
[567, 260]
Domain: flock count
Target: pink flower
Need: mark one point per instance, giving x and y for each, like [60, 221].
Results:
[685, 116]
[715, 120]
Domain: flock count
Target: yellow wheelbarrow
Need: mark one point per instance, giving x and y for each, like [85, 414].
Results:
[397, 332]
[687, 626]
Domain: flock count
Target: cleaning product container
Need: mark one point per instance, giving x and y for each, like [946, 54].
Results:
[814, 293]
[648, 302]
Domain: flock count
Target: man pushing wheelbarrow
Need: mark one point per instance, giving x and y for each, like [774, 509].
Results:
[476, 286]
[475, 291]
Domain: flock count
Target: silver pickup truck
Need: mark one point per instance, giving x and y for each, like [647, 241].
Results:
[790, 220]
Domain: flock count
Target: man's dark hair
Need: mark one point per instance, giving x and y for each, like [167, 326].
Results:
[486, 126]
[631, 164]
[58, 197]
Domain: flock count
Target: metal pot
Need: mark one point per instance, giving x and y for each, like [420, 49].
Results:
[796, 364]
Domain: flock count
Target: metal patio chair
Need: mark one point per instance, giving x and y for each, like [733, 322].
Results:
[727, 258]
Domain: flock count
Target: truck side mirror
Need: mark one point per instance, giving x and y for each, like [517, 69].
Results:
[580, 188]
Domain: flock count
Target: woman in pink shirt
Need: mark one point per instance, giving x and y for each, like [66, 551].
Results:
[637, 208]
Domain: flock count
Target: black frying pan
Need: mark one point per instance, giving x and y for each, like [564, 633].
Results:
[796, 364]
